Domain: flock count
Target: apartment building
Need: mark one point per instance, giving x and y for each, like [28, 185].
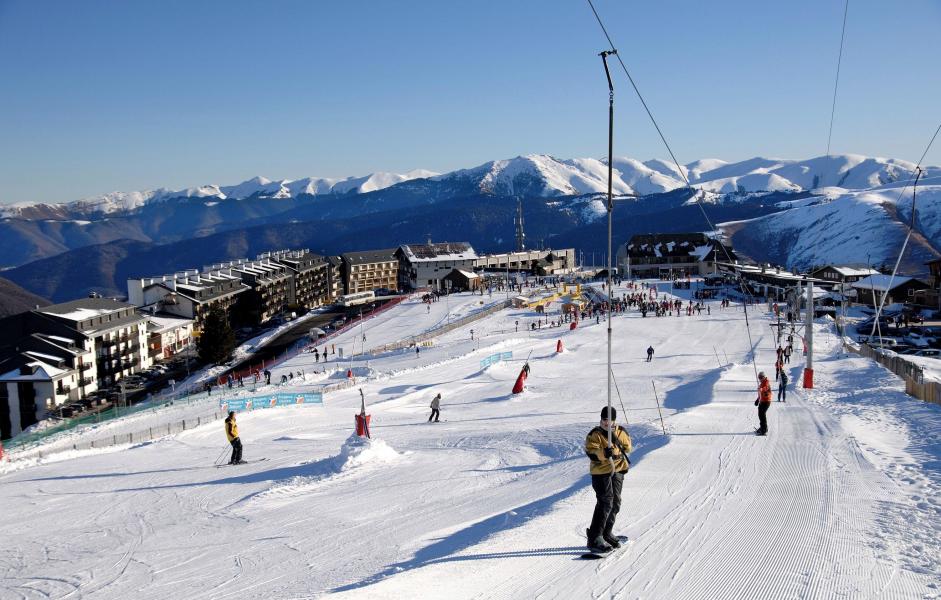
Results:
[268, 282]
[310, 282]
[672, 254]
[426, 265]
[372, 270]
[61, 353]
[336, 285]
[188, 294]
[538, 262]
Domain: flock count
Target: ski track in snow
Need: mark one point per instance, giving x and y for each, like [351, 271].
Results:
[840, 500]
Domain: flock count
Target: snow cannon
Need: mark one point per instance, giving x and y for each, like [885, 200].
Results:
[521, 380]
[558, 346]
[362, 419]
[808, 379]
[362, 425]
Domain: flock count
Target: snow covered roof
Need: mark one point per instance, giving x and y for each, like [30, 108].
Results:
[693, 245]
[161, 324]
[417, 253]
[41, 372]
[468, 274]
[43, 356]
[854, 271]
[880, 283]
[84, 308]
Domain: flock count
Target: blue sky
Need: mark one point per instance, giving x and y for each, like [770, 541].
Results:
[99, 96]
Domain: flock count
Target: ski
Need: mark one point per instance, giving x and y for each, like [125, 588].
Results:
[244, 462]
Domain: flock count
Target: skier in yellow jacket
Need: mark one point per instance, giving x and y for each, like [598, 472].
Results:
[608, 466]
[232, 433]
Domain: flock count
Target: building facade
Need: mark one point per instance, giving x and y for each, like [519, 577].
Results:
[268, 282]
[188, 294]
[538, 262]
[310, 281]
[370, 271]
[672, 255]
[61, 353]
[876, 289]
[426, 265]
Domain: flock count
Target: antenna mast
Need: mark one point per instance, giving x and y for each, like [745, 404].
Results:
[520, 236]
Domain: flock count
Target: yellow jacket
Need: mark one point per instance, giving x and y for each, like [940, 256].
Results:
[597, 441]
[231, 429]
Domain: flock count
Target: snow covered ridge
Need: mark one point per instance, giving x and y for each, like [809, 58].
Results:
[120, 202]
[542, 175]
[536, 175]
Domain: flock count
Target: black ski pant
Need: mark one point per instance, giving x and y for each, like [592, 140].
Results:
[782, 392]
[435, 413]
[762, 418]
[607, 503]
[236, 450]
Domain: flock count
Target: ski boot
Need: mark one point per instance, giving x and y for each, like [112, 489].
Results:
[598, 545]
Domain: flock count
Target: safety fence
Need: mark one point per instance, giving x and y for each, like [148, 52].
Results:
[913, 375]
[188, 395]
[145, 434]
[495, 358]
[304, 344]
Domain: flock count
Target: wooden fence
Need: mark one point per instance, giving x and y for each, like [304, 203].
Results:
[912, 374]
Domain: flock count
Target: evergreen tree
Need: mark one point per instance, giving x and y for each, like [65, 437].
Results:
[217, 340]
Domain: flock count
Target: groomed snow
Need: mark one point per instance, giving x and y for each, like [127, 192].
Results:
[840, 500]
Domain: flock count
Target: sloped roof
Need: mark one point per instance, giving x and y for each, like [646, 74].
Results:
[438, 252]
[880, 283]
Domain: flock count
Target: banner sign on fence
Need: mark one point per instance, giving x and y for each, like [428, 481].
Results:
[271, 401]
[495, 358]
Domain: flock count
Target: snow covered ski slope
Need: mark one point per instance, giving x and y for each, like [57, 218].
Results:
[841, 499]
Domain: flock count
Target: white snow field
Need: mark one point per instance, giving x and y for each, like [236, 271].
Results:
[841, 500]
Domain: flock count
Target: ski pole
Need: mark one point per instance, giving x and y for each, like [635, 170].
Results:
[717, 356]
[662, 426]
[221, 454]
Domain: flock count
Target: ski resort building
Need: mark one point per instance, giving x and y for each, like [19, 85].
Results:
[672, 255]
[870, 290]
[188, 294]
[309, 285]
[426, 265]
[61, 353]
[537, 262]
[370, 271]
[268, 284]
[931, 295]
[460, 280]
[167, 336]
[335, 285]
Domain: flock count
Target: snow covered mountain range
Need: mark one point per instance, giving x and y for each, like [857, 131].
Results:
[261, 187]
[848, 209]
[533, 175]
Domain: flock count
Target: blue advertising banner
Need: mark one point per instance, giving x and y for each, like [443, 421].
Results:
[271, 401]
